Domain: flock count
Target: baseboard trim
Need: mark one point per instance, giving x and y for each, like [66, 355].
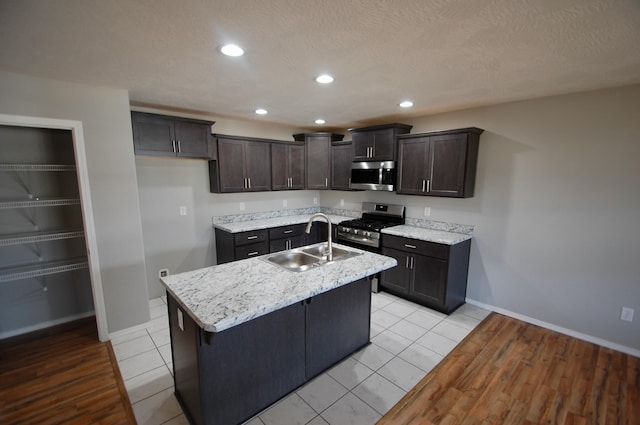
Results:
[44, 325]
[560, 329]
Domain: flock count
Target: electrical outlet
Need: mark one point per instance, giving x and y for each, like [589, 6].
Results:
[626, 314]
[241, 206]
[183, 210]
[342, 202]
[163, 272]
[315, 201]
[284, 203]
[427, 211]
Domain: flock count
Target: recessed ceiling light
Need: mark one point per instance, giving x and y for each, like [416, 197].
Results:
[231, 50]
[320, 121]
[406, 104]
[324, 79]
[261, 111]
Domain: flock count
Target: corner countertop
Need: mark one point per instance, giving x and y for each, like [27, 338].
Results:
[226, 295]
[429, 235]
[248, 226]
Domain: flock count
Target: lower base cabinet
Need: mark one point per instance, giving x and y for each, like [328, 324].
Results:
[430, 274]
[227, 377]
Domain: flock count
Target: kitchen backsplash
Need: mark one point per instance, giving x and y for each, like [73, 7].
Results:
[417, 222]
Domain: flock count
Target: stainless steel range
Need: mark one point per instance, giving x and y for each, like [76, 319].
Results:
[364, 232]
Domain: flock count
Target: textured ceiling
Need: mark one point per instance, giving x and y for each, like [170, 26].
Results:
[442, 54]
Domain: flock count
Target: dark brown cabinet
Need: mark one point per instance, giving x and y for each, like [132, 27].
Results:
[341, 159]
[438, 164]
[160, 135]
[242, 165]
[318, 158]
[287, 237]
[287, 166]
[377, 143]
[428, 273]
[238, 246]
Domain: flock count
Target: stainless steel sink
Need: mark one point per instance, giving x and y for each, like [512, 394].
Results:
[294, 261]
[301, 259]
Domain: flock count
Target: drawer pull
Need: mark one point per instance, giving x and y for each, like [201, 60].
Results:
[251, 254]
[252, 237]
[410, 246]
[286, 232]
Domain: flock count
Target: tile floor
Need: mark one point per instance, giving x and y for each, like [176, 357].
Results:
[408, 340]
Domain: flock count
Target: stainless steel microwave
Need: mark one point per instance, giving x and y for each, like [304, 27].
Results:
[379, 175]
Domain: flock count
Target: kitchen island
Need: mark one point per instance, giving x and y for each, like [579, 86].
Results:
[246, 333]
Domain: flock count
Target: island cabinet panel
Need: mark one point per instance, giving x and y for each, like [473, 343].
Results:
[337, 324]
[241, 370]
[428, 273]
[160, 135]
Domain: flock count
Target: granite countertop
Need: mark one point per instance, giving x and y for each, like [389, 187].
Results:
[226, 295]
[421, 233]
[247, 226]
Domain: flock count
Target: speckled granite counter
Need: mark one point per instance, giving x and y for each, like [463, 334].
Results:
[447, 238]
[247, 226]
[220, 297]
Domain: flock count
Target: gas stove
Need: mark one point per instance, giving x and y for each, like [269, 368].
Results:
[364, 232]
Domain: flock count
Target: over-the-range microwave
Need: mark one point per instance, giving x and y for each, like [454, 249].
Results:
[378, 175]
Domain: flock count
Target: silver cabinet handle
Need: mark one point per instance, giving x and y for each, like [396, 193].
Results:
[412, 260]
[249, 180]
[406, 263]
[251, 254]
[250, 238]
[423, 184]
[173, 146]
[286, 232]
[326, 182]
[410, 246]
[179, 149]
[428, 186]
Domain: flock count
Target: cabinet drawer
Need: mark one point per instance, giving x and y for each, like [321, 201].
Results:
[252, 250]
[244, 238]
[286, 231]
[430, 249]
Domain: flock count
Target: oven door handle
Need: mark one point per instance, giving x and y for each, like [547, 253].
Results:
[358, 240]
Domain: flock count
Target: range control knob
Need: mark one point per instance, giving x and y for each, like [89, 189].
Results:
[355, 231]
[367, 234]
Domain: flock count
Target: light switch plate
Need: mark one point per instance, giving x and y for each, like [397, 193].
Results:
[626, 314]
[180, 320]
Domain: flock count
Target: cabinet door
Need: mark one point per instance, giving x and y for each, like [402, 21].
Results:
[384, 145]
[152, 135]
[337, 324]
[279, 167]
[296, 166]
[362, 142]
[318, 162]
[258, 166]
[341, 159]
[429, 280]
[398, 278]
[231, 165]
[412, 166]
[193, 139]
[447, 158]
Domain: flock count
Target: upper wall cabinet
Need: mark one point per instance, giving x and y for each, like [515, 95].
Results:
[438, 164]
[161, 135]
[341, 159]
[377, 143]
[287, 166]
[243, 165]
[318, 158]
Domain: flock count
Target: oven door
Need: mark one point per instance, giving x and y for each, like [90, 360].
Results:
[357, 241]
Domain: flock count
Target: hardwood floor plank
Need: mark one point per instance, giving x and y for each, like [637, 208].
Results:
[62, 375]
[510, 372]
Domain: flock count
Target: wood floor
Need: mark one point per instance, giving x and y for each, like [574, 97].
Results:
[62, 375]
[510, 372]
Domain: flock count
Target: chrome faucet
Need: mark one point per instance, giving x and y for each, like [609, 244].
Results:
[329, 245]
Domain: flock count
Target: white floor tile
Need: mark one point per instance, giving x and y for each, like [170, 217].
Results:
[473, 311]
[157, 311]
[377, 302]
[155, 302]
[292, 410]
[157, 409]
[161, 337]
[350, 373]
[391, 341]
[421, 357]
[423, 319]
[383, 318]
[128, 335]
[254, 421]
[318, 421]
[450, 330]
[402, 373]
[400, 309]
[164, 298]
[463, 320]
[379, 393]
[133, 347]
[139, 364]
[158, 323]
[375, 329]
[408, 330]
[438, 343]
[322, 392]
[148, 384]
[165, 352]
[350, 410]
[373, 356]
[181, 420]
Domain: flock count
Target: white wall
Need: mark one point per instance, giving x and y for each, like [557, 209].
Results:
[556, 209]
[105, 116]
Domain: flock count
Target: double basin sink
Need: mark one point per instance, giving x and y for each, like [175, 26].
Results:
[305, 258]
